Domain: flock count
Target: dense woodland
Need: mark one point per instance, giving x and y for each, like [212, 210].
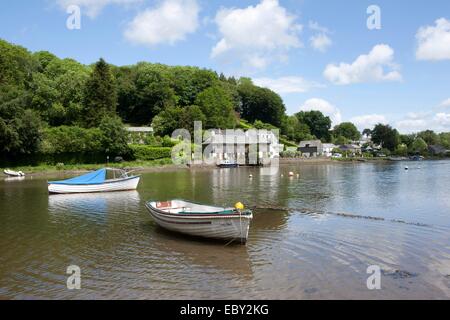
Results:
[54, 106]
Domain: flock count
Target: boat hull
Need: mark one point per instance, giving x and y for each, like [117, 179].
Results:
[222, 227]
[223, 166]
[108, 186]
[13, 173]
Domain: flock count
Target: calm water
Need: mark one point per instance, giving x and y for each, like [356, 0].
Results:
[319, 248]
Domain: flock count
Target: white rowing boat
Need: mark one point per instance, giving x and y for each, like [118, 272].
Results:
[203, 221]
[96, 182]
[13, 173]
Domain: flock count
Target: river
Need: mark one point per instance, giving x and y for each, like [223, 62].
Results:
[313, 236]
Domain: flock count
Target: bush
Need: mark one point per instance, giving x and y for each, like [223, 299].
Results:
[64, 139]
[142, 152]
[290, 154]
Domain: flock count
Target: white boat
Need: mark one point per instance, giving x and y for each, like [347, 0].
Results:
[13, 173]
[203, 221]
[228, 164]
[96, 182]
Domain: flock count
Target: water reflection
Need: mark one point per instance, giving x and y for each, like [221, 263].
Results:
[95, 206]
[307, 251]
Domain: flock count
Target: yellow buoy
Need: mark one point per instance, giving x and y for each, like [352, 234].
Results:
[239, 206]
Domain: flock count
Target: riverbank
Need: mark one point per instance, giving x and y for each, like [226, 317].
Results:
[167, 165]
[141, 166]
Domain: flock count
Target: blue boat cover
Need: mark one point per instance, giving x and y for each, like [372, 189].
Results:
[96, 177]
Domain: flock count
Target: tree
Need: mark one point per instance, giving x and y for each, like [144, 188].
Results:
[294, 130]
[167, 121]
[419, 146]
[100, 98]
[151, 93]
[347, 130]
[429, 136]
[318, 123]
[367, 132]
[407, 139]
[25, 132]
[340, 140]
[401, 150]
[190, 115]
[216, 104]
[260, 104]
[114, 135]
[385, 136]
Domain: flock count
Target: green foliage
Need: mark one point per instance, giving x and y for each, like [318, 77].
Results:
[340, 140]
[263, 126]
[429, 136]
[168, 121]
[100, 97]
[444, 139]
[385, 136]
[367, 132]
[217, 106]
[22, 134]
[347, 130]
[114, 136]
[16, 65]
[143, 152]
[260, 104]
[190, 115]
[401, 150]
[66, 139]
[318, 124]
[407, 139]
[419, 146]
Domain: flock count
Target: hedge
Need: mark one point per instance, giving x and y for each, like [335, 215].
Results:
[143, 152]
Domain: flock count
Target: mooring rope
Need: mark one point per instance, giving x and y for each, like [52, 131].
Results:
[339, 214]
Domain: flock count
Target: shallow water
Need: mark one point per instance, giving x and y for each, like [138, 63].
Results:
[312, 237]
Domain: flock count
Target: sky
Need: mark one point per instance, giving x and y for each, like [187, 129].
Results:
[378, 61]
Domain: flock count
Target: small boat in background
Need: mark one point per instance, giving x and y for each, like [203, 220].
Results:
[96, 182]
[228, 164]
[13, 173]
[203, 221]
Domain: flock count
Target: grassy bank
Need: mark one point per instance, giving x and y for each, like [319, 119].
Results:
[138, 164]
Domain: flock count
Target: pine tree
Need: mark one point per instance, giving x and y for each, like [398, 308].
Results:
[100, 98]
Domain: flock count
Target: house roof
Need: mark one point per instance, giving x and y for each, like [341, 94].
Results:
[437, 149]
[139, 129]
[312, 143]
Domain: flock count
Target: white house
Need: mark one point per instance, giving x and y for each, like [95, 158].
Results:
[328, 149]
[252, 147]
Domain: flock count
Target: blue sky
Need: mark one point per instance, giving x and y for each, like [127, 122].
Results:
[317, 54]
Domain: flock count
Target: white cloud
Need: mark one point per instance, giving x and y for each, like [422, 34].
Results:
[320, 42]
[443, 119]
[169, 22]
[412, 125]
[92, 8]
[285, 85]
[445, 103]
[325, 107]
[433, 42]
[256, 35]
[368, 121]
[315, 26]
[415, 122]
[366, 68]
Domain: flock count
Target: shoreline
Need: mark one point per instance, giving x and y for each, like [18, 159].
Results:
[165, 165]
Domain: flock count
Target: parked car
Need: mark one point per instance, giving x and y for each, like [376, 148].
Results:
[337, 155]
